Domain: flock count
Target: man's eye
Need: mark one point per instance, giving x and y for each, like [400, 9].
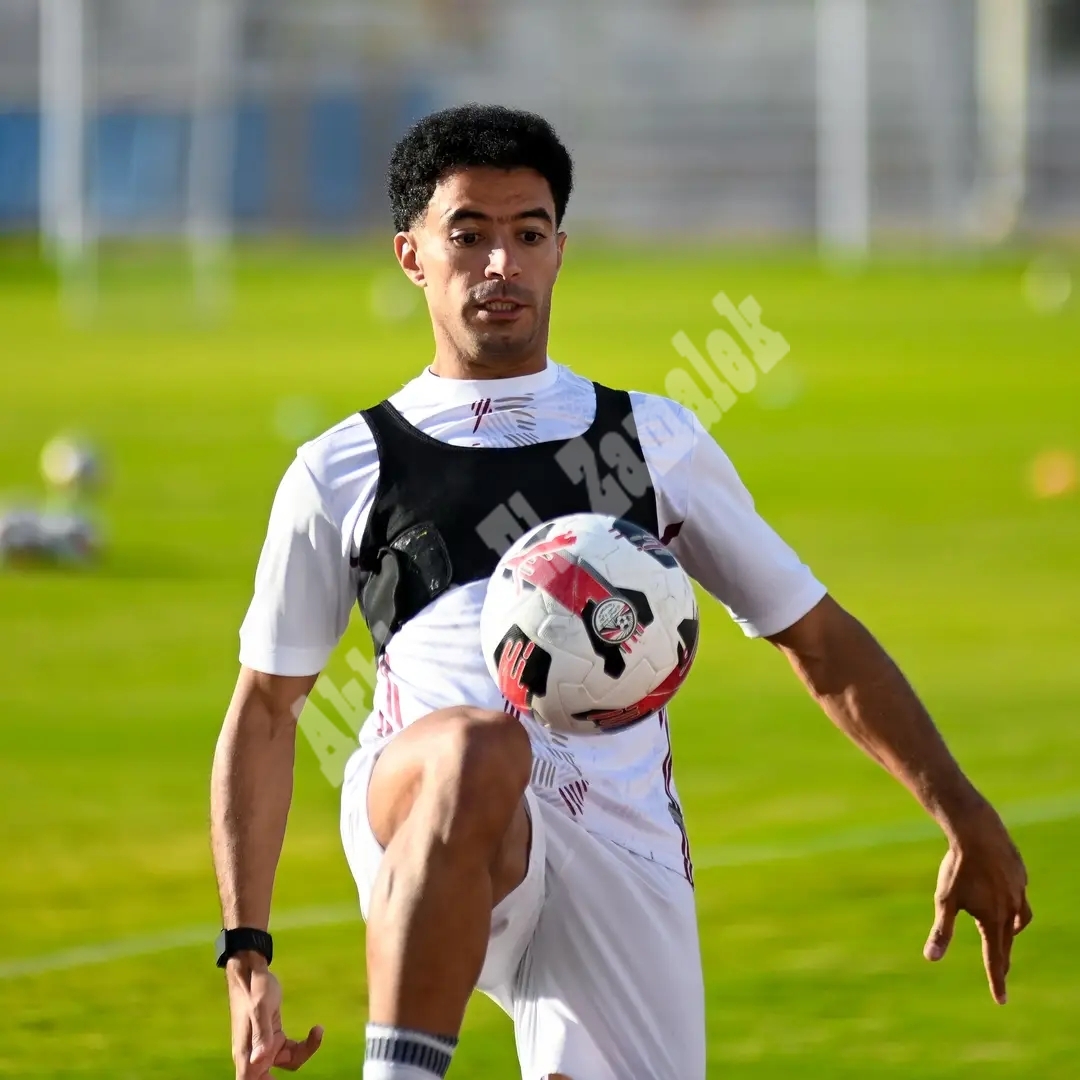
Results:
[466, 239]
[531, 236]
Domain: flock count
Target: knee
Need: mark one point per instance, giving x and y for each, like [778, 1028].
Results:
[481, 763]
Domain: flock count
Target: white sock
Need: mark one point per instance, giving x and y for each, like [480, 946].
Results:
[387, 1070]
[395, 1053]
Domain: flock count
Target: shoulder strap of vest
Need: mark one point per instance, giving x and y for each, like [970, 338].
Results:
[615, 414]
[614, 411]
[385, 421]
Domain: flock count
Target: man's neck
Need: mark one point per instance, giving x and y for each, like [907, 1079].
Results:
[455, 366]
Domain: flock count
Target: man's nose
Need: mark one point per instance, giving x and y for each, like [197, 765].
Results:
[502, 264]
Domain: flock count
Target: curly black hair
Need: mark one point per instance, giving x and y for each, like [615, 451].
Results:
[473, 134]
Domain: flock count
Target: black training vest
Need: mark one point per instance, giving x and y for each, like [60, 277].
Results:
[443, 515]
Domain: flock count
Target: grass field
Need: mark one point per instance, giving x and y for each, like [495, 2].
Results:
[893, 447]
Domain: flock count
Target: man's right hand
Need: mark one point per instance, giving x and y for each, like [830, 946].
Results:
[258, 1041]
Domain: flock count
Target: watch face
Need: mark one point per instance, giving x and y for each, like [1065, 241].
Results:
[221, 948]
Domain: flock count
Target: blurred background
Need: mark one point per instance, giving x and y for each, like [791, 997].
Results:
[716, 117]
[196, 276]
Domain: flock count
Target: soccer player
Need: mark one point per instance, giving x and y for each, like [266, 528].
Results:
[551, 872]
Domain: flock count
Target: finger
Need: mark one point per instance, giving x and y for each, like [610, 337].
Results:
[994, 959]
[942, 931]
[1007, 935]
[1023, 919]
[263, 1040]
[293, 1054]
[241, 1042]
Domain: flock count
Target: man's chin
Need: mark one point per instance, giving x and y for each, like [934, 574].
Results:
[504, 344]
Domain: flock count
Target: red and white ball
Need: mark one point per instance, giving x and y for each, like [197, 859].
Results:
[590, 623]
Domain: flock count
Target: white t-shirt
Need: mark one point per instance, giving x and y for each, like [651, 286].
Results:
[618, 785]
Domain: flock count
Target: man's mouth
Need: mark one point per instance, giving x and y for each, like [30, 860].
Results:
[499, 309]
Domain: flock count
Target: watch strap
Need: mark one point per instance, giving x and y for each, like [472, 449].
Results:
[244, 939]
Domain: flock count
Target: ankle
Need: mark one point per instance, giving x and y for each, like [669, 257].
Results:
[397, 1053]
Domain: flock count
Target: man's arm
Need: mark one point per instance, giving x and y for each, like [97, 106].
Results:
[251, 789]
[250, 792]
[721, 540]
[864, 693]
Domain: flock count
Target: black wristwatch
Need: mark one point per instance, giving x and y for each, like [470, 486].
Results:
[244, 939]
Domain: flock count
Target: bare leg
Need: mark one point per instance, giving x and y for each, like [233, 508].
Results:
[445, 801]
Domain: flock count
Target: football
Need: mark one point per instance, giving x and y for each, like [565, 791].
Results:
[70, 464]
[589, 623]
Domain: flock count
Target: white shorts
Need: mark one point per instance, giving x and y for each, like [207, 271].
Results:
[595, 954]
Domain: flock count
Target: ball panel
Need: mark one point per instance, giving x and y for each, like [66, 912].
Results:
[606, 611]
[522, 666]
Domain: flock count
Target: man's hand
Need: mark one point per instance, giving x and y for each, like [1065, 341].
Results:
[250, 792]
[982, 874]
[864, 693]
[258, 1042]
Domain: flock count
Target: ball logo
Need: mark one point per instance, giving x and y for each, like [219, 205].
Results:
[614, 620]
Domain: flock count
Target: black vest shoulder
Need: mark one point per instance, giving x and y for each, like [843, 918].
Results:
[443, 515]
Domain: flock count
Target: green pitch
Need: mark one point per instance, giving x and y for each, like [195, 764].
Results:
[893, 446]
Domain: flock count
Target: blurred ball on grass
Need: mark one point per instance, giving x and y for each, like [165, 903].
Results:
[70, 463]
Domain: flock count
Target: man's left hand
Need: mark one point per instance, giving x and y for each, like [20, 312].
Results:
[982, 874]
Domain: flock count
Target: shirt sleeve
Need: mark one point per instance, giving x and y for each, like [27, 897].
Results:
[713, 529]
[303, 585]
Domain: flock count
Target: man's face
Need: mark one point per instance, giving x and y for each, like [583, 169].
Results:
[487, 253]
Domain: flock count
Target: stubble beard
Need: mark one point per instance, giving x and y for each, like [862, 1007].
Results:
[495, 348]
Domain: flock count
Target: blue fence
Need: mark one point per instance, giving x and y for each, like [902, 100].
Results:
[137, 161]
[20, 163]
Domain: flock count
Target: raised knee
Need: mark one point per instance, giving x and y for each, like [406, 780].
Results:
[484, 754]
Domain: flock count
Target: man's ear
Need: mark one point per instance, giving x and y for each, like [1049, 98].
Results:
[405, 248]
[560, 243]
